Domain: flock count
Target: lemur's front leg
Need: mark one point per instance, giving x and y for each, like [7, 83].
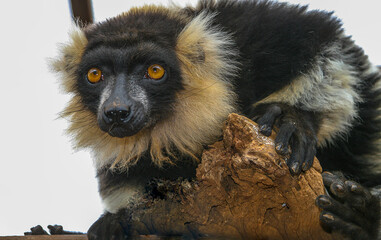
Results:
[349, 208]
[109, 226]
[297, 129]
[116, 192]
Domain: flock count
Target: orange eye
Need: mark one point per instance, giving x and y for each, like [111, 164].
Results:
[156, 72]
[94, 75]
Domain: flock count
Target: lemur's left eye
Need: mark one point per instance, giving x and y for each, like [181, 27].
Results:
[155, 72]
[94, 75]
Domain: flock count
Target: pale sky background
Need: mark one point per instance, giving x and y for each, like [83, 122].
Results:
[42, 180]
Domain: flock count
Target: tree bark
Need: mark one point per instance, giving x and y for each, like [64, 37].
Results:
[243, 190]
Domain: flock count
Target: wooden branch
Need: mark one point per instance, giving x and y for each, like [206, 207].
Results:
[46, 237]
[78, 237]
[244, 190]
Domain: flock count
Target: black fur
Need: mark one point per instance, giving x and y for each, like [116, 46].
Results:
[277, 43]
[346, 155]
[144, 172]
[126, 30]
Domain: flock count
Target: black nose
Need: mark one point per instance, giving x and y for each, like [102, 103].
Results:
[117, 115]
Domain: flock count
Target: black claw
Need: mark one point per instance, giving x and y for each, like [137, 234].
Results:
[327, 174]
[282, 149]
[306, 166]
[279, 147]
[266, 121]
[338, 190]
[328, 218]
[309, 158]
[333, 223]
[341, 210]
[323, 201]
[265, 130]
[355, 189]
[295, 168]
[283, 138]
[297, 156]
[330, 178]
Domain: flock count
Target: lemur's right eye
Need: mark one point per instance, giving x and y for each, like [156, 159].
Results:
[94, 75]
[155, 72]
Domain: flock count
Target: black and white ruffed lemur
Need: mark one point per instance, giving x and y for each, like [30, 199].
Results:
[155, 84]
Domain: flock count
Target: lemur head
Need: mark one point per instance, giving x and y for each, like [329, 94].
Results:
[147, 80]
[129, 73]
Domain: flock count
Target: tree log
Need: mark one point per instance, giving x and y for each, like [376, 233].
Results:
[243, 190]
[46, 237]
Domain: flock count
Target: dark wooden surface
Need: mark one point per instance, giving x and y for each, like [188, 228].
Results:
[81, 237]
[46, 237]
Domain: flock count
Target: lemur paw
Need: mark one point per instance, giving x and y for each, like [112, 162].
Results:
[349, 209]
[297, 129]
[108, 227]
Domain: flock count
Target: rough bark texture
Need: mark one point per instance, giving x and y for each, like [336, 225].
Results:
[243, 190]
[46, 237]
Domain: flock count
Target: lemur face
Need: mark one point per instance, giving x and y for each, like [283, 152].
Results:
[145, 81]
[128, 88]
